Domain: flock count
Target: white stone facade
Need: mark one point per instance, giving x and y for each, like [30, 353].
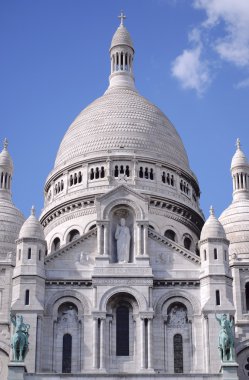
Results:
[153, 315]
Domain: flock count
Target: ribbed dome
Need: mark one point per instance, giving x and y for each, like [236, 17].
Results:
[239, 158]
[122, 118]
[11, 220]
[32, 228]
[235, 220]
[5, 159]
[212, 228]
[121, 37]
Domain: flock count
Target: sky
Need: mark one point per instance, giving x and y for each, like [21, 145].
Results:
[191, 60]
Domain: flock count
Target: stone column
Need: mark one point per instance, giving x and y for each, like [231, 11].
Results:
[108, 169]
[102, 344]
[150, 365]
[139, 242]
[99, 238]
[106, 239]
[206, 343]
[142, 342]
[145, 240]
[95, 343]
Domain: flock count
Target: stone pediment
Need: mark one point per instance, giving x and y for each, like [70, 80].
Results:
[75, 259]
[169, 260]
[122, 195]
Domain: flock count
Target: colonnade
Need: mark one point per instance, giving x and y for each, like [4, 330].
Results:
[142, 352]
[141, 231]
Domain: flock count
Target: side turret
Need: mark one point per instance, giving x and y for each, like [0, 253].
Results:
[28, 289]
[216, 280]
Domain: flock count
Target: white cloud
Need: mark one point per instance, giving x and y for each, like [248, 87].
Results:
[233, 45]
[191, 70]
[230, 42]
[243, 84]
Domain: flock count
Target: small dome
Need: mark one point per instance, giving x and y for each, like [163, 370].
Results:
[32, 228]
[239, 158]
[11, 220]
[5, 159]
[121, 37]
[212, 228]
[235, 220]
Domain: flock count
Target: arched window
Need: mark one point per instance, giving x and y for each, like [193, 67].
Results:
[247, 295]
[215, 254]
[56, 244]
[187, 243]
[151, 174]
[122, 331]
[122, 169]
[74, 234]
[116, 171]
[205, 255]
[141, 173]
[178, 353]
[127, 171]
[67, 354]
[92, 174]
[170, 235]
[29, 253]
[97, 173]
[163, 177]
[102, 172]
[79, 177]
[151, 227]
[217, 296]
[146, 173]
[27, 297]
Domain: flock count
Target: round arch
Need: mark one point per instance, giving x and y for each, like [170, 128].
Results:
[139, 213]
[141, 301]
[68, 296]
[192, 304]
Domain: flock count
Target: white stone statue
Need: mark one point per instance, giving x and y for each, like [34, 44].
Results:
[123, 237]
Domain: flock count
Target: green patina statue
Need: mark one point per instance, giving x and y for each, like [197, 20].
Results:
[226, 337]
[20, 338]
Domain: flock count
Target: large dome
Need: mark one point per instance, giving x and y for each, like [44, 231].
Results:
[122, 118]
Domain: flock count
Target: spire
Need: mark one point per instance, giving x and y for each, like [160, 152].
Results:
[211, 211]
[240, 174]
[121, 54]
[6, 171]
[122, 18]
[33, 210]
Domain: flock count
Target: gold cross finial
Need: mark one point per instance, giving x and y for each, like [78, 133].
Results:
[238, 143]
[122, 18]
[211, 210]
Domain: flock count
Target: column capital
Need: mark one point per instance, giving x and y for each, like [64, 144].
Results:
[146, 315]
[98, 315]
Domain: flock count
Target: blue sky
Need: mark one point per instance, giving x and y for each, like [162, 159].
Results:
[192, 60]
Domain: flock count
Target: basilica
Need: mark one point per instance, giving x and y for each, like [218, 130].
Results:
[121, 276]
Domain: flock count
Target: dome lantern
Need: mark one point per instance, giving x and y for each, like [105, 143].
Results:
[240, 174]
[6, 171]
[122, 54]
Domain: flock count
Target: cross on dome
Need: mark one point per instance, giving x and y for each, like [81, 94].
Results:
[5, 143]
[238, 144]
[122, 18]
[33, 210]
[211, 210]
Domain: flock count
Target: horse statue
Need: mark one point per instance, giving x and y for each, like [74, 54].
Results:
[20, 338]
[226, 337]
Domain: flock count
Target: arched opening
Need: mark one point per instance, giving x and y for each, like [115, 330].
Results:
[56, 244]
[73, 234]
[187, 243]
[247, 295]
[170, 234]
[67, 354]
[178, 353]
[122, 331]
[217, 296]
[27, 297]
[92, 227]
